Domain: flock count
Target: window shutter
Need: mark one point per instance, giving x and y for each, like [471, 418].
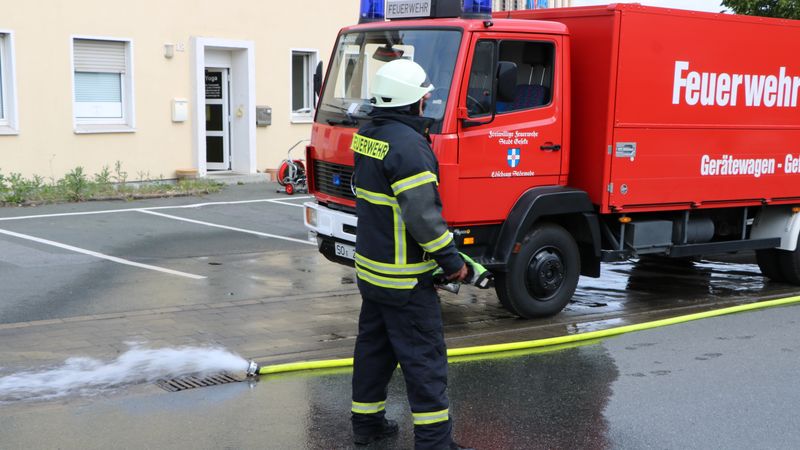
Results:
[99, 56]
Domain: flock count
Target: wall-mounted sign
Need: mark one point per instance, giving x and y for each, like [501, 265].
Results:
[405, 9]
[213, 85]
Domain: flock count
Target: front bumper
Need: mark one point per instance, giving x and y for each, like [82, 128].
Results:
[330, 227]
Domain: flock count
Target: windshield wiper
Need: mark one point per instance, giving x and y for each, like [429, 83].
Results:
[348, 121]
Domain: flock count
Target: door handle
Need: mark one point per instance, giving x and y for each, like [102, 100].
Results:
[550, 147]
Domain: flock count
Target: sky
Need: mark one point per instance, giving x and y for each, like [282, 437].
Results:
[697, 5]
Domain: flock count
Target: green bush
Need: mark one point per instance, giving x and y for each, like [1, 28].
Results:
[17, 189]
[104, 177]
[78, 186]
[75, 184]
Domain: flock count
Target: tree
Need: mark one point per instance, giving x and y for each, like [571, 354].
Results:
[785, 9]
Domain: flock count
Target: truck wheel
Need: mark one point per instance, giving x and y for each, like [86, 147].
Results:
[790, 265]
[768, 262]
[543, 275]
[502, 293]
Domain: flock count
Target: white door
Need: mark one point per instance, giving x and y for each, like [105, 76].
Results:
[218, 147]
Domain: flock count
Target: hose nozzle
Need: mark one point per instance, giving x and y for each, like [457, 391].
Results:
[252, 369]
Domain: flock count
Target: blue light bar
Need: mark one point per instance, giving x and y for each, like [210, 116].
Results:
[536, 4]
[473, 8]
[372, 11]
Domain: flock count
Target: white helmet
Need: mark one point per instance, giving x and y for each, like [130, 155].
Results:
[399, 83]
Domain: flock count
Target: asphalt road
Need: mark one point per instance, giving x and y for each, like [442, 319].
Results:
[244, 242]
[722, 383]
[249, 242]
[241, 259]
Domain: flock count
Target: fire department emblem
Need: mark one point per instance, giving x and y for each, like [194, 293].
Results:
[513, 157]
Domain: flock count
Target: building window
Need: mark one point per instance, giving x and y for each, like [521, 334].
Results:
[512, 5]
[303, 97]
[103, 88]
[8, 119]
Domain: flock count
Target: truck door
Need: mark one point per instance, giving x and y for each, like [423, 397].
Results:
[502, 157]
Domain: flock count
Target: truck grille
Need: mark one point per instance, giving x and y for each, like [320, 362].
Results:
[333, 179]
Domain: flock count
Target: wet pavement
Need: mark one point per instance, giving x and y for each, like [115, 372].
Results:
[262, 291]
[249, 243]
[44, 281]
[721, 383]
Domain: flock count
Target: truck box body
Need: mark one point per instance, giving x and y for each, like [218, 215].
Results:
[675, 109]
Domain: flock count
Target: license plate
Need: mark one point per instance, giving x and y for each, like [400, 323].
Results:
[345, 251]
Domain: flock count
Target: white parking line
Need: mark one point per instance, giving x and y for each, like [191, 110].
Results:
[101, 255]
[225, 227]
[194, 205]
[279, 202]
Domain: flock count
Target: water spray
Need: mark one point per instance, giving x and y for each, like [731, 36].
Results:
[86, 376]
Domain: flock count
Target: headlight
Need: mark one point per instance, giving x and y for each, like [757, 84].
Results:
[311, 216]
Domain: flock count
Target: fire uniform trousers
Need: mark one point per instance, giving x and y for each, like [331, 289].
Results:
[401, 238]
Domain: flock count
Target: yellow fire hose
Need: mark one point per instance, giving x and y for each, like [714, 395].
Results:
[459, 353]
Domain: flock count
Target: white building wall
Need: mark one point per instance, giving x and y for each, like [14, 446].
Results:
[44, 140]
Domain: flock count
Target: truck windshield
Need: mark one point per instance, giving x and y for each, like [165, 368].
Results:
[359, 55]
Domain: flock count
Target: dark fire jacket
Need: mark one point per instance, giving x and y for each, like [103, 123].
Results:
[401, 236]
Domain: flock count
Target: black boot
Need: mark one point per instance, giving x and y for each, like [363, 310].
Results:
[389, 429]
[454, 446]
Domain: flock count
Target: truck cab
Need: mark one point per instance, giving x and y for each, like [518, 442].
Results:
[499, 122]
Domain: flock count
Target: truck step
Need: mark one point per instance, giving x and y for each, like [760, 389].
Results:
[710, 248]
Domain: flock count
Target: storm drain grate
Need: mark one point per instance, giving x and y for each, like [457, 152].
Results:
[191, 382]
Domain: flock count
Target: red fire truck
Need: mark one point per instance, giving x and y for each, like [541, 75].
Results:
[574, 136]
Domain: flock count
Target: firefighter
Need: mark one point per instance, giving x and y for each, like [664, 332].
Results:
[401, 238]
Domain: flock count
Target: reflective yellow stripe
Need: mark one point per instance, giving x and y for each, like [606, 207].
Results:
[431, 417]
[368, 408]
[369, 147]
[413, 181]
[399, 237]
[385, 282]
[376, 198]
[438, 243]
[395, 269]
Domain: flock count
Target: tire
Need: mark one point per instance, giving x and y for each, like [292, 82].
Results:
[770, 264]
[289, 188]
[543, 276]
[790, 264]
[500, 280]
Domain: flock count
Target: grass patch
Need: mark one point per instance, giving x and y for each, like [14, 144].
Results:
[77, 186]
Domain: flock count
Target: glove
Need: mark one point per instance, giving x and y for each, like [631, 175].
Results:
[477, 275]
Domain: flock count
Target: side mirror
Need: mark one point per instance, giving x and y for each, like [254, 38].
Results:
[506, 81]
[318, 78]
